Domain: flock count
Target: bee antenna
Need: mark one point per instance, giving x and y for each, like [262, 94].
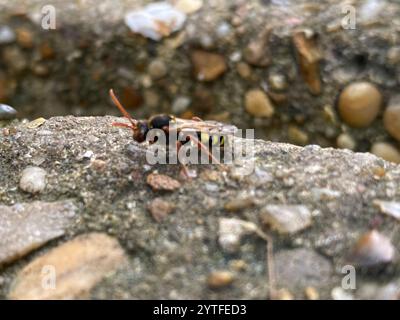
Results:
[122, 109]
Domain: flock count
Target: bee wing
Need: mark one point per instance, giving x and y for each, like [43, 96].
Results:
[211, 127]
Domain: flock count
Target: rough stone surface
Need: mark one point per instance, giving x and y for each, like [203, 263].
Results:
[27, 226]
[173, 259]
[294, 266]
[77, 266]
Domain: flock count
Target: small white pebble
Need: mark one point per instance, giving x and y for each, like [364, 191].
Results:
[7, 35]
[33, 180]
[148, 19]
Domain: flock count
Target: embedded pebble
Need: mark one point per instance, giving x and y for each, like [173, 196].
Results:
[36, 123]
[7, 112]
[311, 293]
[223, 30]
[244, 70]
[257, 52]
[391, 208]
[157, 69]
[240, 203]
[162, 182]
[359, 104]
[156, 20]
[286, 219]
[208, 66]
[370, 10]
[77, 265]
[277, 81]
[372, 249]
[27, 226]
[24, 38]
[220, 279]
[33, 180]
[386, 151]
[188, 6]
[160, 209]
[180, 104]
[231, 231]
[297, 136]
[258, 104]
[393, 55]
[371, 291]
[7, 35]
[283, 294]
[391, 118]
[346, 141]
[339, 293]
[309, 56]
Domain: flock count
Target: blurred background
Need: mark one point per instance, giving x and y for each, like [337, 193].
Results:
[300, 71]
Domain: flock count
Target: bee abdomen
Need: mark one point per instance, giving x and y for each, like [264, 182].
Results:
[211, 140]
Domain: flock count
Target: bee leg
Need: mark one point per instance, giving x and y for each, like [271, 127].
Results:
[120, 124]
[202, 146]
[270, 263]
[188, 174]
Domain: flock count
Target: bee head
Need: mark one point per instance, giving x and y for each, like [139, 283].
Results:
[140, 132]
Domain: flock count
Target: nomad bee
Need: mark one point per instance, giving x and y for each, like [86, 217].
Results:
[203, 134]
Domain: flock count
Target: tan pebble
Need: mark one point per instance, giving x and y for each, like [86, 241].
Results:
[391, 118]
[188, 6]
[257, 52]
[40, 70]
[210, 175]
[208, 66]
[46, 51]
[386, 151]
[36, 123]
[297, 136]
[162, 182]
[157, 69]
[220, 279]
[311, 293]
[24, 38]
[160, 209]
[244, 70]
[77, 266]
[258, 104]
[393, 55]
[378, 171]
[98, 165]
[346, 141]
[283, 294]
[238, 265]
[238, 204]
[359, 104]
